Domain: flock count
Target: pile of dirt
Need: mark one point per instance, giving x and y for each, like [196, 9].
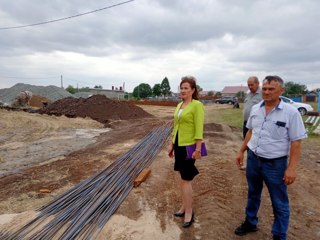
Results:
[97, 107]
[38, 101]
[156, 103]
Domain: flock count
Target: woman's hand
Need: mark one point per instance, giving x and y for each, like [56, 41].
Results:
[170, 151]
[196, 155]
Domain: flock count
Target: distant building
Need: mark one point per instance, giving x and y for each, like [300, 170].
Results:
[311, 97]
[206, 93]
[115, 93]
[233, 90]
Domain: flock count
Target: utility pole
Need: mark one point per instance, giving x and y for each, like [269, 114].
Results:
[61, 82]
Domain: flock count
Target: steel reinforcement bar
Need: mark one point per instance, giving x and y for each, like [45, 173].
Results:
[83, 211]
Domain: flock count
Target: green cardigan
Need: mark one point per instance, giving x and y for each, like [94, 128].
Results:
[190, 124]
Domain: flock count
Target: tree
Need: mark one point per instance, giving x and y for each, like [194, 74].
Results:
[165, 87]
[218, 94]
[210, 93]
[128, 96]
[98, 86]
[142, 91]
[199, 88]
[71, 89]
[240, 94]
[84, 89]
[156, 90]
[292, 89]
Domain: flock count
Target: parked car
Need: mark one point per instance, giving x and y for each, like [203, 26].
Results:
[302, 107]
[227, 99]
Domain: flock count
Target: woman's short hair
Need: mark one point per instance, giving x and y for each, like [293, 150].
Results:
[193, 84]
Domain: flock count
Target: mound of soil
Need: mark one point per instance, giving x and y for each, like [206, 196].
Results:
[37, 101]
[97, 107]
[155, 103]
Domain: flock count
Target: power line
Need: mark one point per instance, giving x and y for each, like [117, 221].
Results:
[66, 18]
[78, 81]
[49, 77]
[30, 77]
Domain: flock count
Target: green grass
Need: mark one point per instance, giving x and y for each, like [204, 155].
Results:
[311, 128]
[233, 117]
[228, 116]
[314, 105]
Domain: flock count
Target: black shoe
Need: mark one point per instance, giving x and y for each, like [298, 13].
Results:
[245, 228]
[179, 214]
[275, 237]
[188, 224]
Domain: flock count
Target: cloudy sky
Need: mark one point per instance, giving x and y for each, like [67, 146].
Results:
[220, 42]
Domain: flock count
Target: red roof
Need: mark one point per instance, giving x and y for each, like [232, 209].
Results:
[234, 89]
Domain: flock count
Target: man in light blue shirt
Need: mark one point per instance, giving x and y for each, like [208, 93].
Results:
[275, 131]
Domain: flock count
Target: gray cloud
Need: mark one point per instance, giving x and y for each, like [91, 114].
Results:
[221, 42]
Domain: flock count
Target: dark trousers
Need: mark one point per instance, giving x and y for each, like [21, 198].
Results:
[244, 129]
[271, 173]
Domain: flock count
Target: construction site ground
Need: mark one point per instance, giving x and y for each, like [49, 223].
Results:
[50, 154]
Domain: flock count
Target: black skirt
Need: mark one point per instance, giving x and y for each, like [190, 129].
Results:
[186, 166]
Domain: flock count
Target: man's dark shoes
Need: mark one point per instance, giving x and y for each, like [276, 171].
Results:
[275, 237]
[245, 228]
[179, 214]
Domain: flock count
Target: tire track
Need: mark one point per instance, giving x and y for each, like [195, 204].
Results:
[28, 139]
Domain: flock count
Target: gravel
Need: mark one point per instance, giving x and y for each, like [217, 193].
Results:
[53, 93]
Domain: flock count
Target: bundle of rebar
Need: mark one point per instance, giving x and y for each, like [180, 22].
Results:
[83, 211]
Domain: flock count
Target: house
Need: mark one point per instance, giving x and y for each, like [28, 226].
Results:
[115, 93]
[233, 90]
[311, 97]
[205, 93]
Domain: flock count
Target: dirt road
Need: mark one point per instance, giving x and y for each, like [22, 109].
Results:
[55, 153]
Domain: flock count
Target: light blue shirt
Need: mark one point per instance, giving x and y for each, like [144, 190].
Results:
[272, 133]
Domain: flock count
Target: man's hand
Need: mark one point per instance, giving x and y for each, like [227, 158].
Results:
[295, 152]
[239, 160]
[289, 176]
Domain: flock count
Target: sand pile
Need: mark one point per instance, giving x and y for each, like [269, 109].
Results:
[97, 107]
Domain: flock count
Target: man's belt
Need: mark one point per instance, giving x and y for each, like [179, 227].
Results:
[262, 159]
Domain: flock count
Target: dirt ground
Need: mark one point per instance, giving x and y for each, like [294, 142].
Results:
[54, 153]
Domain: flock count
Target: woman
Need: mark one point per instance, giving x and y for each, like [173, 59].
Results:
[188, 130]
